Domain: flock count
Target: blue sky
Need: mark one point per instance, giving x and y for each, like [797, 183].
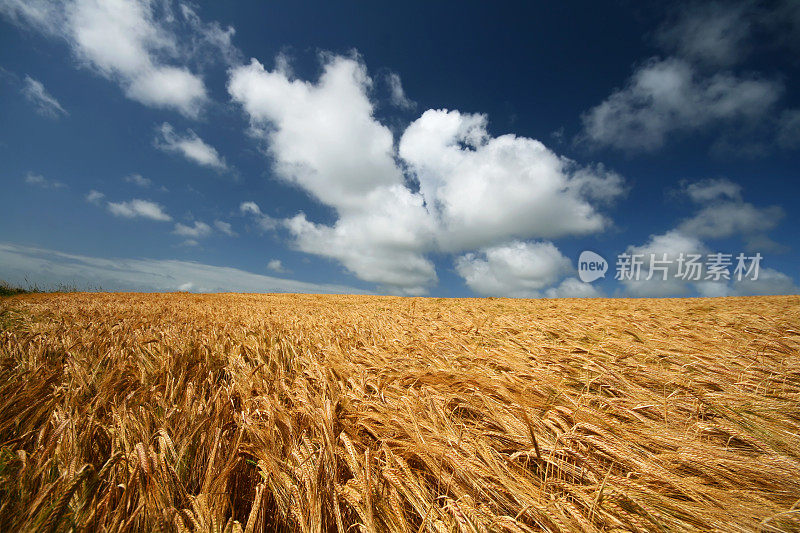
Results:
[417, 149]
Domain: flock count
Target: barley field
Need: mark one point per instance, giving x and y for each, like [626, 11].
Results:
[237, 412]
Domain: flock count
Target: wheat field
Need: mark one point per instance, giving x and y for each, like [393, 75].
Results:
[236, 412]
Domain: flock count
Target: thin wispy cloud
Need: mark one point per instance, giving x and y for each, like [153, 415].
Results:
[196, 231]
[44, 102]
[397, 96]
[721, 213]
[277, 266]
[138, 180]
[190, 146]
[37, 180]
[50, 267]
[138, 209]
[669, 96]
[225, 227]
[262, 220]
[95, 197]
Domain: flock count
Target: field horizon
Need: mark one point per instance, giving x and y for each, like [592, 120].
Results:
[297, 412]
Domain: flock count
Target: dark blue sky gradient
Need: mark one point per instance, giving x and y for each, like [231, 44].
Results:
[533, 68]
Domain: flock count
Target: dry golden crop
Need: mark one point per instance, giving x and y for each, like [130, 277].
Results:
[135, 412]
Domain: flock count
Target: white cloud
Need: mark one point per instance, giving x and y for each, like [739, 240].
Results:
[382, 245]
[250, 208]
[485, 189]
[672, 243]
[132, 42]
[139, 180]
[189, 146]
[138, 209]
[95, 197]
[207, 39]
[122, 40]
[195, 231]
[397, 96]
[43, 15]
[670, 96]
[40, 181]
[516, 269]
[713, 189]
[712, 33]
[45, 103]
[769, 281]
[48, 267]
[573, 288]
[34, 179]
[276, 266]
[722, 213]
[264, 221]
[324, 137]
[225, 227]
[729, 218]
[169, 87]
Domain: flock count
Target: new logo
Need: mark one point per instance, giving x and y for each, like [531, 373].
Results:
[591, 266]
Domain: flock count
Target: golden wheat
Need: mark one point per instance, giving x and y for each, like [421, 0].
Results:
[245, 413]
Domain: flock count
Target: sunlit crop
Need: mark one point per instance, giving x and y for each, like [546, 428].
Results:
[348, 413]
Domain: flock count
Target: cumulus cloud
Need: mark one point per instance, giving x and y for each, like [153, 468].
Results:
[38, 180]
[516, 269]
[383, 247]
[195, 231]
[666, 96]
[138, 209]
[325, 138]
[36, 94]
[48, 267]
[132, 42]
[190, 146]
[484, 189]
